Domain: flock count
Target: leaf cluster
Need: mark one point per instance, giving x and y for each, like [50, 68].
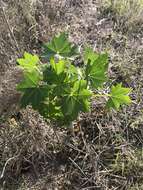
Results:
[58, 89]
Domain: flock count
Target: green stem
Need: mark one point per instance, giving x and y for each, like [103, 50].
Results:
[101, 95]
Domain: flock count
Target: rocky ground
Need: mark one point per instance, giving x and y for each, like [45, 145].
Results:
[105, 153]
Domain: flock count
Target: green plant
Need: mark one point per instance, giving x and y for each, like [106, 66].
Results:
[58, 89]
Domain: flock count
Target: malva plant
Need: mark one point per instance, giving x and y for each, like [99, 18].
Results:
[58, 89]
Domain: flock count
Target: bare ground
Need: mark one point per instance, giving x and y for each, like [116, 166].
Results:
[105, 152]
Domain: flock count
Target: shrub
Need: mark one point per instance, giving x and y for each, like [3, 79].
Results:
[58, 89]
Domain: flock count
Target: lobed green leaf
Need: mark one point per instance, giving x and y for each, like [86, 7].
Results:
[61, 46]
[119, 96]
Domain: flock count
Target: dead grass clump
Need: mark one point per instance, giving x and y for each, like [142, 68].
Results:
[25, 146]
[128, 14]
[9, 97]
[97, 156]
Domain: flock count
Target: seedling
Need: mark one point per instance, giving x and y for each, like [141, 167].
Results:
[58, 89]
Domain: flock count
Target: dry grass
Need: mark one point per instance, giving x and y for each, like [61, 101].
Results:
[128, 14]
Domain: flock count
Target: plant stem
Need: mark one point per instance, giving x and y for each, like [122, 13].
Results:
[101, 95]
